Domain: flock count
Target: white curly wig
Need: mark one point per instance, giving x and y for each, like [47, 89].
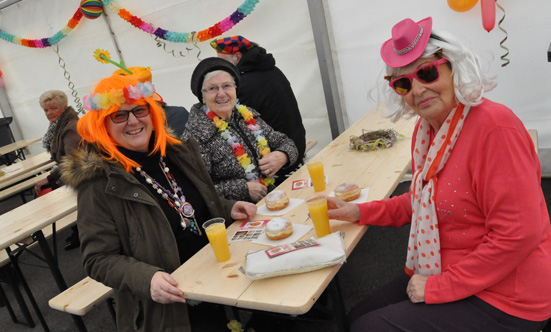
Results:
[469, 80]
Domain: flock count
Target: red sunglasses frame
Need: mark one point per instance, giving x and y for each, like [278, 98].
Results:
[413, 75]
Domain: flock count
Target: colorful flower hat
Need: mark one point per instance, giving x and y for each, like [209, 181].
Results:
[408, 42]
[232, 45]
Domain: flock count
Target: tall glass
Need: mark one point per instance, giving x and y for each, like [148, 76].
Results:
[317, 206]
[317, 176]
[216, 233]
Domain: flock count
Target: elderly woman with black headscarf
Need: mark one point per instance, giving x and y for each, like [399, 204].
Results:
[241, 151]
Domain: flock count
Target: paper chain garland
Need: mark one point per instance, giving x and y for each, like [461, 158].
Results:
[45, 42]
[374, 140]
[186, 37]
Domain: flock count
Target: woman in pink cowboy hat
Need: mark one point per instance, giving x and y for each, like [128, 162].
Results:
[479, 251]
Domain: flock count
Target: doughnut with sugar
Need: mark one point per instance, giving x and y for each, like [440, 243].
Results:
[279, 228]
[277, 200]
[347, 191]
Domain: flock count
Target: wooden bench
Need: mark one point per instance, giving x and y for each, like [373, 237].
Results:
[22, 186]
[62, 223]
[82, 297]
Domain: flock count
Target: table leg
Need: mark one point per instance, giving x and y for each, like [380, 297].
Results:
[6, 303]
[338, 304]
[54, 268]
[21, 278]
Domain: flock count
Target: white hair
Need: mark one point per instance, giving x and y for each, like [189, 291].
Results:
[469, 80]
[214, 73]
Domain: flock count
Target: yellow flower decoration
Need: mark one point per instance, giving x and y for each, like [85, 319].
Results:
[98, 53]
[117, 97]
[265, 152]
[269, 181]
[104, 101]
[235, 326]
[245, 113]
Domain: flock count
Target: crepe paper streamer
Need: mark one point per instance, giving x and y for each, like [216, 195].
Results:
[67, 76]
[374, 140]
[45, 42]
[162, 43]
[91, 9]
[185, 37]
[504, 56]
[461, 5]
[488, 14]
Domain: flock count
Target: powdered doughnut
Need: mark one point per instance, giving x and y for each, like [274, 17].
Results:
[279, 228]
[347, 191]
[277, 200]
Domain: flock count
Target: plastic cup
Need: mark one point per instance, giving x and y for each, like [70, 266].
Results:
[317, 176]
[317, 206]
[216, 233]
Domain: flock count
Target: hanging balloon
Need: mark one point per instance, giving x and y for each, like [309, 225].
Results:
[488, 14]
[91, 9]
[461, 5]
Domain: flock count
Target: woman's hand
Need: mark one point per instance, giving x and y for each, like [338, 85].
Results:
[341, 210]
[257, 191]
[272, 163]
[416, 288]
[39, 184]
[243, 210]
[163, 289]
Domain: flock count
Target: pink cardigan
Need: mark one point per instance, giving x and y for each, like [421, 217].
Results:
[494, 227]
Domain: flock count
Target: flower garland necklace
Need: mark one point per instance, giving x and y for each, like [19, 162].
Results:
[175, 198]
[237, 148]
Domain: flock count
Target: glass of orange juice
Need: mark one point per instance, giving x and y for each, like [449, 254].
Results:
[317, 206]
[216, 233]
[317, 176]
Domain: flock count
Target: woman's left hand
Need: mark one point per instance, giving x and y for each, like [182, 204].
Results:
[272, 163]
[163, 289]
[243, 210]
[416, 288]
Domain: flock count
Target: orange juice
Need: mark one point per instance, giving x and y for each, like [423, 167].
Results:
[317, 206]
[216, 233]
[317, 176]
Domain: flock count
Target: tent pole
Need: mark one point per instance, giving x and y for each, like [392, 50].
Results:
[327, 65]
[113, 36]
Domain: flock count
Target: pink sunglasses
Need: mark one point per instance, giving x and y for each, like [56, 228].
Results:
[429, 73]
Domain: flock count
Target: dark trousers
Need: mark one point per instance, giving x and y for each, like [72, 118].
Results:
[390, 309]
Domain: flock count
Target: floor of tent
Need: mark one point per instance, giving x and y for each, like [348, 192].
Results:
[376, 260]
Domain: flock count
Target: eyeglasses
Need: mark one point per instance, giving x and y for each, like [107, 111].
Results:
[213, 89]
[122, 116]
[429, 73]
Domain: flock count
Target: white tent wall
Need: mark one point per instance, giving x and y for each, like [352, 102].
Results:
[360, 28]
[282, 27]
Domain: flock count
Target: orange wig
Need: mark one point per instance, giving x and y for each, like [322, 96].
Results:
[93, 130]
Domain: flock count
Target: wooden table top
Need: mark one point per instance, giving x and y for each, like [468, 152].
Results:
[18, 145]
[21, 222]
[25, 168]
[203, 278]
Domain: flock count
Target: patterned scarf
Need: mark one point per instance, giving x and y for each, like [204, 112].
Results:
[51, 138]
[424, 241]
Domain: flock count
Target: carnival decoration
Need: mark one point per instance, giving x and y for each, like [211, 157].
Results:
[103, 56]
[462, 5]
[91, 9]
[185, 37]
[45, 42]
[374, 140]
[488, 14]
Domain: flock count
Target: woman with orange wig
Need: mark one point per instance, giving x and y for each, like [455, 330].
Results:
[142, 198]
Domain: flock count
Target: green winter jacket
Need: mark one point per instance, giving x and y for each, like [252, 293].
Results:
[125, 236]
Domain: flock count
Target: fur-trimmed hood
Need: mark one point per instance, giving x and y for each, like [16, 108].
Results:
[84, 164]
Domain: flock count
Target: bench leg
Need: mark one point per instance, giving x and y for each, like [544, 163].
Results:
[58, 277]
[112, 311]
[8, 274]
[19, 275]
[337, 303]
[6, 303]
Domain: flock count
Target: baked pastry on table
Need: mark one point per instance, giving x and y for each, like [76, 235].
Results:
[277, 200]
[278, 228]
[347, 191]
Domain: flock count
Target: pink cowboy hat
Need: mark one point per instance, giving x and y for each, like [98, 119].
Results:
[408, 42]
